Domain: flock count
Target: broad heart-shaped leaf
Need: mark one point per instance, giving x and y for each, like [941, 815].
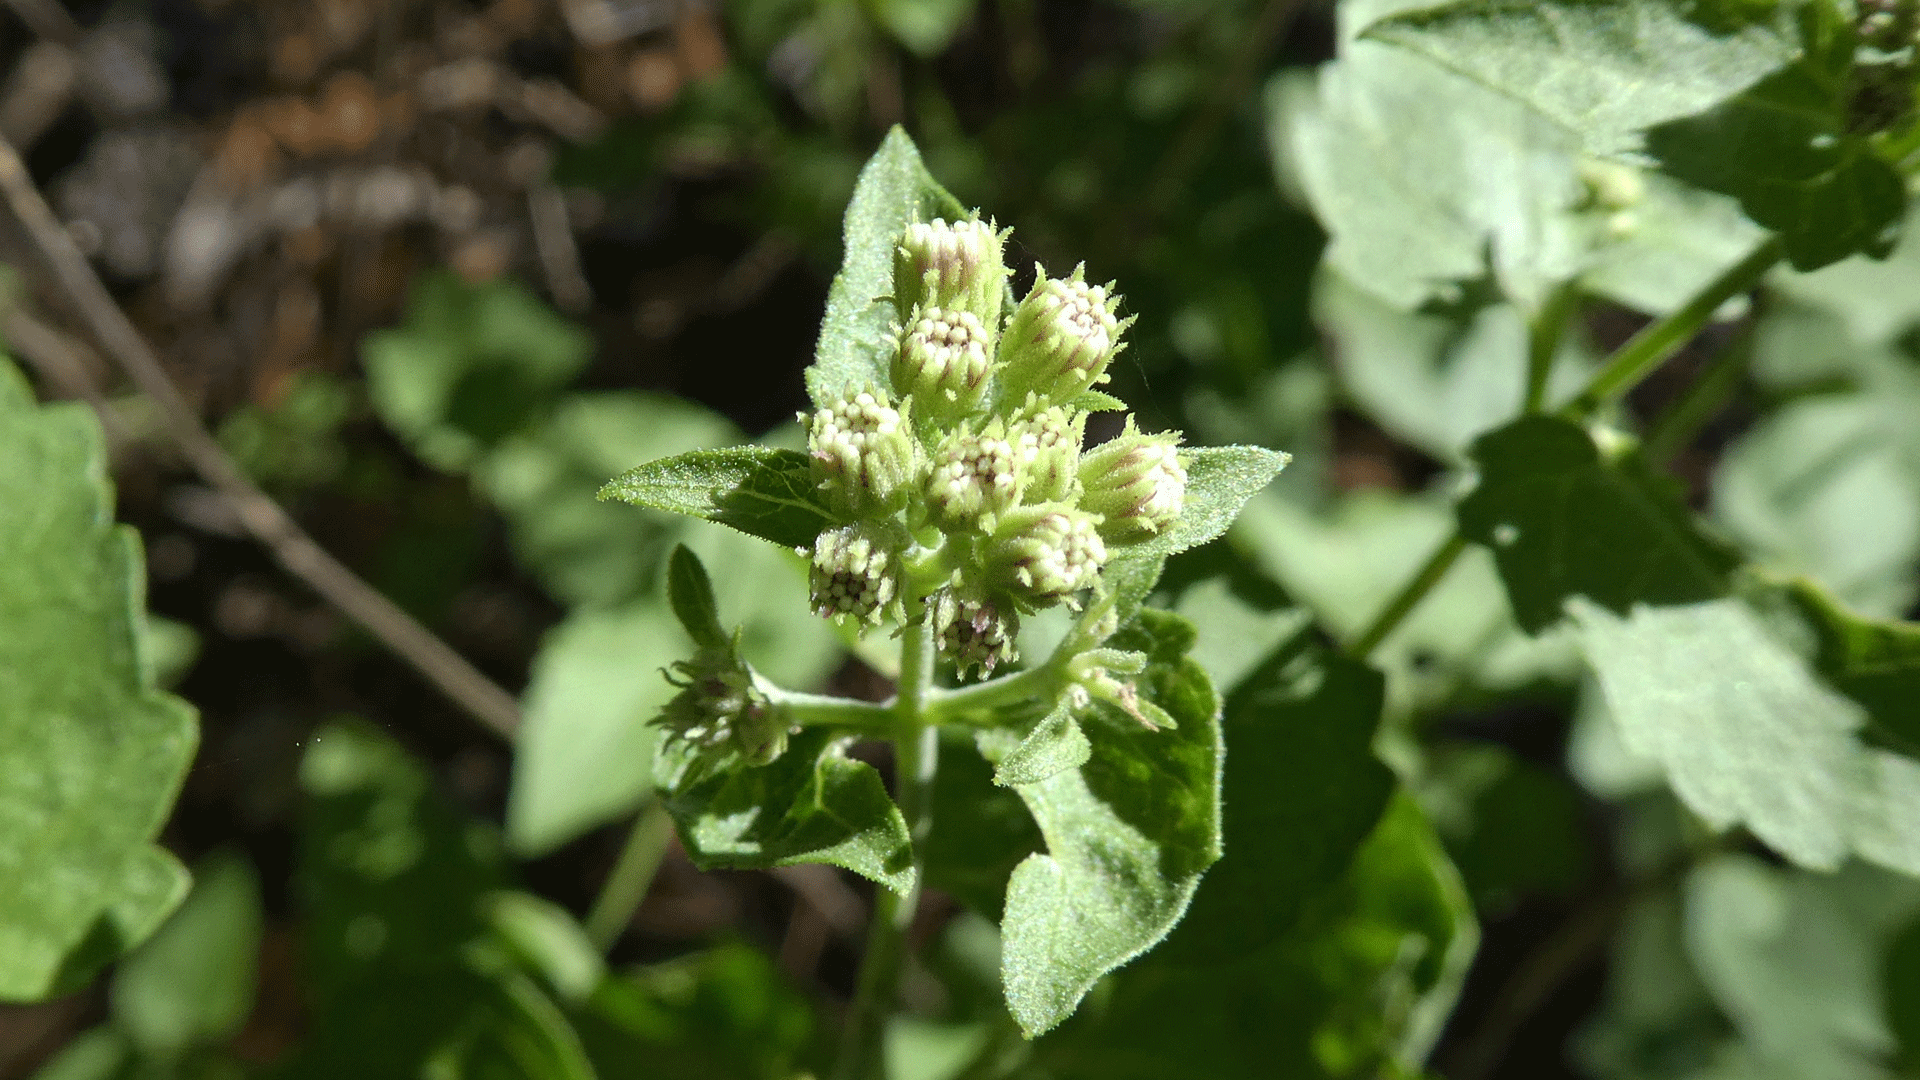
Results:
[759, 490]
[1303, 790]
[1055, 745]
[1359, 986]
[1128, 835]
[980, 832]
[812, 804]
[856, 336]
[94, 753]
[1604, 69]
[1723, 697]
[1790, 151]
[193, 982]
[1562, 521]
[1220, 480]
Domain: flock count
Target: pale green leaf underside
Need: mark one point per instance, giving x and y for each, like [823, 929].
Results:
[94, 753]
[1604, 69]
[1749, 736]
[759, 490]
[856, 335]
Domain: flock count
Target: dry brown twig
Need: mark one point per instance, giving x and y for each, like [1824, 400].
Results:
[433, 658]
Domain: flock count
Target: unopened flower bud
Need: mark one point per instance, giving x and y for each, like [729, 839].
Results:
[863, 452]
[1135, 483]
[855, 576]
[974, 478]
[719, 709]
[944, 359]
[1061, 339]
[1047, 446]
[954, 266]
[1045, 553]
[975, 633]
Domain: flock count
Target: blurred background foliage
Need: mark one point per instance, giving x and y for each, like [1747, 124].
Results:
[437, 269]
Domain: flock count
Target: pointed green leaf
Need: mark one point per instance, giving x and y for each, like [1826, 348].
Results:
[193, 982]
[1604, 69]
[1722, 697]
[761, 491]
[1128, 835]
[94, 753]
[1055, 745]
[1220, 480]
[1562, 521]
[1874, 662]
[856, 336]
[812, 804]
[690, 592]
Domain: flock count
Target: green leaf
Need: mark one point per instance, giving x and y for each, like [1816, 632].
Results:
[1425, 180]
[1097, 401]
[1358, 987]
[924, 26]
[1902, 973]
[1220, 480]
[1303, 790]
[813, 804]
[981, 831]
[1721, 696]
[1604, 69]
[470, 365]
[1562, 521]
[584, 755]
[856, 336]
[726, 1013]
[1829, 486]
[1128, 835]
[761, 491]
[1789, 150]
[1053, 746]
[1793, 959]
[1873, 299]
[1875, 663]
[193, 982]
[544, 937]
[690, 592]
[94, 753]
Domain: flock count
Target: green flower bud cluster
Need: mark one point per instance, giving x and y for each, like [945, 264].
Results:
[961, 486]
[720, 710]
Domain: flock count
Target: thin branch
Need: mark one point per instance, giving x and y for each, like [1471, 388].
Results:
[446, 669]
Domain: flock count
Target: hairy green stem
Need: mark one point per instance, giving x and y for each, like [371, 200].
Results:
[1663, 337]
[1629, 364]
[1543, 343]
[1709, 393]
[825, 710]
[916, 750]
[632, 875]
[1409, 596]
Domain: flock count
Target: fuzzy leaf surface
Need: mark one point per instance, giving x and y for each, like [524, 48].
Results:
[1563, 522]
[1055, 745]
[758, 490]
[1128, 835]
[1605, 69]
[1720, 695]
[95, 753]
[812, 804]
[856, 336]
